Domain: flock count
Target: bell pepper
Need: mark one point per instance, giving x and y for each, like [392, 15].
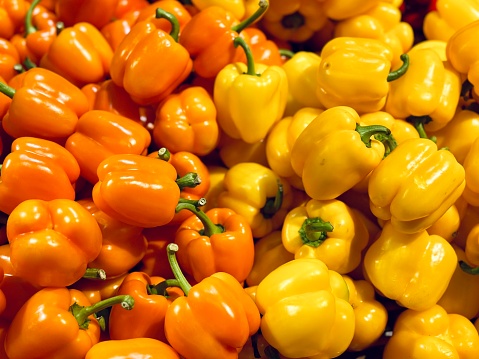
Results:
[36, 169]
[233, 151]
[209, 36]
[97, 290]
[186, 121]
[258, 194]
[294, 21]
[221, 316]
[89, 54]
[303, 294]
[447, 225]
[217, 176]
[147, 54]
[57, 323]
[370, 315]
[396, 184]
[432, 333]
[264, 50]
[90, 91]
[356, 72]
[471, 164]
[249, 98]
[469, 216]
[129, 348]
[9, 57]
[116, 30]
[12, 14]
[236, 7]
[269, 254]
[335, 133]
[126, 7]
[52, 242]
[401, 130]
[345, 9]
[219, 240]
[100, 134]
[152, 296]
[71, 12]
[415, 259]
[326, 230]
[281, 140]
[123, 246]
[174, 7]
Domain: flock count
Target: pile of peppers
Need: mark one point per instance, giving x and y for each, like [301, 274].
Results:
[239, 179]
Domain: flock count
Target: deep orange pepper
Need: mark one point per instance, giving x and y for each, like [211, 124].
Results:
[9, 57]
[5, 102]
[100, 134]
[17, 291]
[36, 169]
[152, 297]
[132, 348]
[265, 51]
[52, 242]
[97, 13]
[4, 324]
[44, 105]
[3, 299]
[97, 290]
[115, 31]
[12, 13]
[124, 7]
[149, 63]
[80, 54]
[173, 7]
[123, 246]
[90, 92]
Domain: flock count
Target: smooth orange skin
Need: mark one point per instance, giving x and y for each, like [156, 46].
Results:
[141, 348]
[12, 13]
[97, 290]
[172, 6]
[39, 42]
[115, 31]
[52, 242]
[44, 328]
[138, 190]
[97, 13]
[265, 51]
[9, 57]
[125, 7]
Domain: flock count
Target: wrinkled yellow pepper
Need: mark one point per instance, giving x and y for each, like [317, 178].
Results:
[305, 310]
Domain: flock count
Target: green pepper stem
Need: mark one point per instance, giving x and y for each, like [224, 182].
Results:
[7, 90]
[171, 250]
[380, 133]
[94, 273]
[418, 122]
[29, 28]
[273, 204]
[190, 180]
[175, 25]
[239, 41]
[209, 227]
[81, 314]
[314, 231]
[468, 269]
[263, 6]
[29, 64]
[160, 288]
[394, 75]
[286, 53]
[164, 154]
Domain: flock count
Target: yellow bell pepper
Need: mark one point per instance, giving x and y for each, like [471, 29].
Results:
[269, 254]
[447, 225]
[217, 175]
[370, 315]
[412, 269]
[432, 334]
[236, 7]
[258, 194]
[305, 310]
[355, 72]
[249, 98]
[340, 10]
[233, 151]
[415, 185]
[334, 153]
[294, 20]
[449, 16]
[281, 139]
[326, 230]
[471, 166]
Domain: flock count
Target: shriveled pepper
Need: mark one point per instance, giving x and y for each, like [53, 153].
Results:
[57, 323]
[326, 230]
[12, 13]
[305, 295]
[249, 98]
[98, 14]
[414, 197]
[100, 134]
[219, 240]
[37, 169]
[221, 316]
[138, 348]
[415, 259]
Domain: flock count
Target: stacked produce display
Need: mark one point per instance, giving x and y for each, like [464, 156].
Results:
[239, 179]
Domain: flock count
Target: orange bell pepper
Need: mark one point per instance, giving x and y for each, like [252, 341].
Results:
[150, 63]
[44, 105]
[80, 54]
[12, 13]
[221, 316]
[90, 91]
[130, 348]
[9, 57]
[17, 291]
[174, 7]
[265, 51]
[115, 31]
[219, 240]
[186, 121]
[97, 290]
[152, 296]
[123, 246]
[125, 7]
[100, 134]
[3, 299]
[71, 12]
[52, 242]
[57, 323]
[36, 169]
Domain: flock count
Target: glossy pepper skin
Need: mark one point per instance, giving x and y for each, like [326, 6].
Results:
[100, 134]
[140, 348]
[326, 230]
[414, 258]
[44, 105]
[72, 12]
[9, 57]
[138, 190]
[150, 63]
[264, 50]
[221, 316]
[471, 165]
[305, 295]
[36, 169]
[335, 134]
[432, 333]
[52, 242]
[12, 14]
[395, 187]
